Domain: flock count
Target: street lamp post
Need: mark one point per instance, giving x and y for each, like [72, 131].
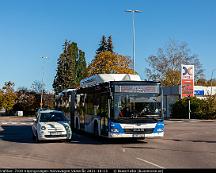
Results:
[133, 25]
[212, 78]
[42, 84]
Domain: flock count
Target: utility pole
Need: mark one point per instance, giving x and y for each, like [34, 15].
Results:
[133, 29]
[212, 79]
[189, 108]
[42, 83]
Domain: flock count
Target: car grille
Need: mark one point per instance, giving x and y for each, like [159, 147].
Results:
[139, 131]
[55, 136]
[55, 129]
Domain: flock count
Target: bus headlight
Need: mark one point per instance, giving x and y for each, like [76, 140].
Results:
[113, 130]
[160, 130]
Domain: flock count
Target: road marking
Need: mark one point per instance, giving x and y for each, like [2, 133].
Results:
[16, 123]
[150, 163]
[13, 123]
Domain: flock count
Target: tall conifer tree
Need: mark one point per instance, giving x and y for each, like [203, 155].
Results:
[103, 45]
[71, 66]
[109, 44]
[81, 71]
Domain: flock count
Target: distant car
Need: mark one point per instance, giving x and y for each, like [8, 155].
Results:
[51, 125]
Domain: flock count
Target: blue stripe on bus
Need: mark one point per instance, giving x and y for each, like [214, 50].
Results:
[159, 127]
[116, 126]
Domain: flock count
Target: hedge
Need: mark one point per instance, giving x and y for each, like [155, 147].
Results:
[200, 108]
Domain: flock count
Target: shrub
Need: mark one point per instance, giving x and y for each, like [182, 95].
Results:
[200, 108]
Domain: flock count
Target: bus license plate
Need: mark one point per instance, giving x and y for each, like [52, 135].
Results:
[138, 135]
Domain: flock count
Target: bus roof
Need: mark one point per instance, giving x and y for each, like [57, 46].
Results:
[102, 78]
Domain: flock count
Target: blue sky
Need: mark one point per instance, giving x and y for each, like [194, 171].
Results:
[30, 29]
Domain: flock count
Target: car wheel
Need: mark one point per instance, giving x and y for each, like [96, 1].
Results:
[68, 140]
[33, 137]
[36, 138]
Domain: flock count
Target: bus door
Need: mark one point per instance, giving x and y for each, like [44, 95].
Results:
[104, 114]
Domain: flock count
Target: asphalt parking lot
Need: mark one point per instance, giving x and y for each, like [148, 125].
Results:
[186, 144]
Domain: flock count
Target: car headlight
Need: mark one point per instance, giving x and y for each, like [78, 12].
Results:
[67, 128]
[43, 128]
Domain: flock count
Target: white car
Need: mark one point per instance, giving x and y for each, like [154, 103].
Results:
[51, 125]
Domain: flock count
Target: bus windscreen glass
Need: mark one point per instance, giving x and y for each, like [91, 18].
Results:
[136, 105]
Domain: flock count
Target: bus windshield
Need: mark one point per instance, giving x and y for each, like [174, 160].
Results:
[136, 105]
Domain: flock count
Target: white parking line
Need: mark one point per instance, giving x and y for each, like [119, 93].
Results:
[13, 123]
[150, 163]
[16, 123]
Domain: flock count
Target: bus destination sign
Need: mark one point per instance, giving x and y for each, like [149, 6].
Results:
[137, 89]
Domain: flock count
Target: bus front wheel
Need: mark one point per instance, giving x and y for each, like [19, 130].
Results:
[96, 132]
[77, 124]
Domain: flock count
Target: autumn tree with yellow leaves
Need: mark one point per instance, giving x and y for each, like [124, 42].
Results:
[109, 62]
[7, 96]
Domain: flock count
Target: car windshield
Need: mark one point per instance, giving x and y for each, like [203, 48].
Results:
[52, 117]
[134, 105]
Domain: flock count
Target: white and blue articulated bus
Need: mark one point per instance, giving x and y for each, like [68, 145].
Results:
[118, 106]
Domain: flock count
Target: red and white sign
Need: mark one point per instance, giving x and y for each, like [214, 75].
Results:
[187, 81]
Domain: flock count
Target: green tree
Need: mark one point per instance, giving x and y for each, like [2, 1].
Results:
[103, 45]
[58, 83]
[166, 65]
[9, 96]
[81, 69]
[71, 67]
[70, 64]
[109, 44]
[1, 99]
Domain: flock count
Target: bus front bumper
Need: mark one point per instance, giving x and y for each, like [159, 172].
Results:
[123, 135]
